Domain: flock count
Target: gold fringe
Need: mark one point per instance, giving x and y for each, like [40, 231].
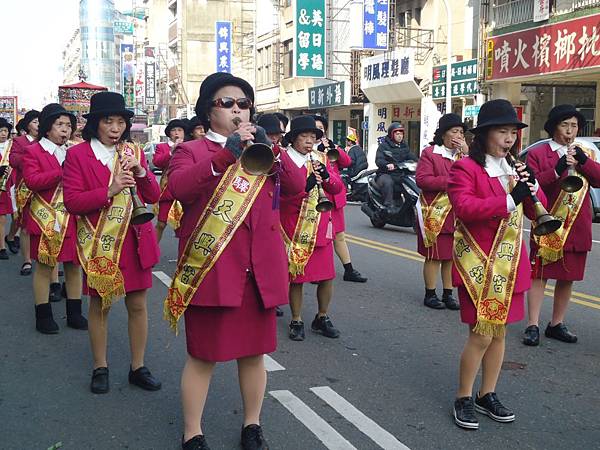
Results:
[169, 317]
[485, 328]
[47, 260]
[549, 255]
[296, 269]
[106, 284]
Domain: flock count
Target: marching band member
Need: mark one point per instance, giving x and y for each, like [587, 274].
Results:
[492, 270]
[232, 268]
[116, 256]
[50, 227]
[309, 233]
[561, 255]
[6, 182]
[436, 219]
[339, 202]
[30, 124]
[168, 209]
[195, 129]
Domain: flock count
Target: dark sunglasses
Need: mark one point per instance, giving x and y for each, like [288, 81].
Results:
[228, 102]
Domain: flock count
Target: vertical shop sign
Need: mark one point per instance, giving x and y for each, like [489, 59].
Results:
[128, 74]
[375, 24]
[309, 42]
[149, 77]
[223, 47]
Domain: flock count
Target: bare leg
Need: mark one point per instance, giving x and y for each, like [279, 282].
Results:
[296, 293]
[195, 381]
[41, 283]
[73, 281]
[447, 274]
[324, 295]
[431, 268]
[14, 227]
[562, 297]
[25, 246]
[55, 274]
[160, 228]
[253, 382]
[341, 247]
[98, 329]
[137, 326]
[491, 365]
[2, 231]
[470, 361]
[535, 298]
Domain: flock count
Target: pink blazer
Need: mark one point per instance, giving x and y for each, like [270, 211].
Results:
[339, 199]
[291, 205]
[17, 153]
[479, 201]
[256, 246]
[42, 174]
[432, 178]
[542, 161]
[86, 182]
[161, 158]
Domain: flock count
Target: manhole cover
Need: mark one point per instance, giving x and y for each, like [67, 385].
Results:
[511, 365]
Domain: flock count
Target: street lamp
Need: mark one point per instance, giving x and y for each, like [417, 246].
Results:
[448, 59]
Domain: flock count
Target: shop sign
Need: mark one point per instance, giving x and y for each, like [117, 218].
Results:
[150, 77]
[463, 78]
[123, 27]
[385, 115]
[326, 95]
[459, 89]
[387, 68]
[472, 110]
[375, 24]
[541, 10]
[552, 48]
[8, 109]
[128, 74]
[404, 113]
[223, 46]
[339, 132]
[309, 41]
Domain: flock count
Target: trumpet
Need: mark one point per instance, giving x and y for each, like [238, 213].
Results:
[140, 213]
[572, 183]
[4, 178]
[256, 159]
[323, 203]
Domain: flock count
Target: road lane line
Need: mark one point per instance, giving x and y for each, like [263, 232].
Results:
[311, 420]
[381, 244]
[385, 250]
[163, 277]
[366, 425]
[581, 295]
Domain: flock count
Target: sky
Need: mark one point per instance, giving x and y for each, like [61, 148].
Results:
[36, 32]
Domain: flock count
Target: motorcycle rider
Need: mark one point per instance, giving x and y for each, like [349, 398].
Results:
[356, 154]
[387, 174]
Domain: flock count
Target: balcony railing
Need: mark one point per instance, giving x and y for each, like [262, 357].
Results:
[418, 38]
[512, 13]
[574, 5]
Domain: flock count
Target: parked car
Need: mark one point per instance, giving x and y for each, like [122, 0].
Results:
[591, 142]
[149, 152]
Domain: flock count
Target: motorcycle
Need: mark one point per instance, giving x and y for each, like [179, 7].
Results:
[357, 186]
[406, 195]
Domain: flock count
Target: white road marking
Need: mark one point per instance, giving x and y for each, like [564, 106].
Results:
[311, 420]
[380, 436]
[163, 277]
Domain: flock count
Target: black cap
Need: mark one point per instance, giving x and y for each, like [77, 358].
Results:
[302, 124]
[104, 104]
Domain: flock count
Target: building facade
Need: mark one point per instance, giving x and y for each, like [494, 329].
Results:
[72, 59]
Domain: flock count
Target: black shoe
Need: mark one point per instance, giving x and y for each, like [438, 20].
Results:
[296, 330]
[491, 406]
[74, 317]
[532, 336]
[451, 303]
[560, 332]
[143, 378]
[55, 292]
[278, 311]
[18, 242]
[3, 254]
[198, 442]
[99, 384]
[253, 439]
[434, 302]
[61, 273]
[354, 275]
[26, 269]
[63, 291]
[44, 321]
[324, 326]
[464, 413]
[13, 246]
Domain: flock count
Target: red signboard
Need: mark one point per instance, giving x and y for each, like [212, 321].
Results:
[558, 47]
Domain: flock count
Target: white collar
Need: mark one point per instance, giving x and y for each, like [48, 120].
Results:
[29, 138]
[498, 167]
[4, 144]
[104, 154]
[443, 151]
[59, 151]
[298, 158]
[216, 138]
[556, 147]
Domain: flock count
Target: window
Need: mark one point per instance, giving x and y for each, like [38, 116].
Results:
[404, 19]
[418, 16]
[288, 59]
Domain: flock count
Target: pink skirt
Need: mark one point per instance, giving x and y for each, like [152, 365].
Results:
[320, 266]
[6, 206]
[68, 252]
[219, 334]
[468, 313]
[440, 251]
[136, 278]
[164, 206]
[570, 268]
[339, 222]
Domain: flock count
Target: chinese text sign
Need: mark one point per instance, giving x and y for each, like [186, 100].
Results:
[223, 40]
[375, 24]
[309, 42]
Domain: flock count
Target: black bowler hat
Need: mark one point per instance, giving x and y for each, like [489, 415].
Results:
[105, 103]
[212, 84]
[49, 114]
[175, 123]
[29, 117]
[448, 121]
[270, 123]
[496, 113]
[302, 124]
[5, 124]
[193, 123]
[283, 119]
[560, 113]
[323, 120]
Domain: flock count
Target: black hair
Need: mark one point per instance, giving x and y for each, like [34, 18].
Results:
[477, 148]
[90, 130]
[45, 128]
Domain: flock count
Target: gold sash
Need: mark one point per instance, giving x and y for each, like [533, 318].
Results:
[434, 216]
[176, 209]
[566, 208]
[226, 210]
[53, 220]
[99, 248]
[490, 279]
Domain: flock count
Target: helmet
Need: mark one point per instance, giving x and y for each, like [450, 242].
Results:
[393, 127]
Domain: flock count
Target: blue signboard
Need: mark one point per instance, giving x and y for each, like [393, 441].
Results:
[375, 24]
[223, 40]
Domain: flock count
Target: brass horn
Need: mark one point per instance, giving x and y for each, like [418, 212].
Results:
[4, 179]
[572, 183]
[140, 213]
[256, 159]
[323, 203]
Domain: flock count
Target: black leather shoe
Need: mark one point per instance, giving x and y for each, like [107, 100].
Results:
[296, 330]
[354, 275]
[464, 413]
[12, 245]
[44, 321]
[99, 383]
[198, 442]
[3, 254]
[278, 311]
[434, 302]
[451, 303]
[491, 407]
[324, 326]
[143, 378]
[532, 336]
[560, 332]
[253, 439]
[55, 292]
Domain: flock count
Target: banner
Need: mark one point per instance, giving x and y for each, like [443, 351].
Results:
[430, 115]
[309, 43]
[8, 109]
[541, 10]
[149, 77]
[223, 46]
[375, 24]
[128, 74]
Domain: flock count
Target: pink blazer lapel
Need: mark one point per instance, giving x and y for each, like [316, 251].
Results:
[96, 169]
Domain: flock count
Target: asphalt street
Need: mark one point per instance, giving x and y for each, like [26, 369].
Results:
[388, 382]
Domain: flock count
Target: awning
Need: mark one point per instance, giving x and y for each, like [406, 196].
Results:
[402, 92]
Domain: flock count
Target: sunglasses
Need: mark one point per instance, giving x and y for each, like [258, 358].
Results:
[228, 102]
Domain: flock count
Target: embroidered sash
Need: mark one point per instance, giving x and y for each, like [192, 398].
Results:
[226, 210]
[490, 279]
[53, 220]
[5, 162]
[434, 216]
